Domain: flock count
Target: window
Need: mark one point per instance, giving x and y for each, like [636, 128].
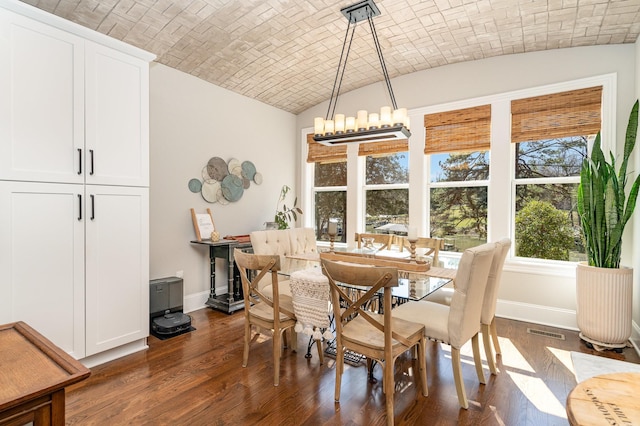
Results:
[329, 187]
[386, 186]
[457, 145]
[551, 134]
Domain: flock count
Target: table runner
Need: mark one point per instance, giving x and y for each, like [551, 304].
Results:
[310, 291]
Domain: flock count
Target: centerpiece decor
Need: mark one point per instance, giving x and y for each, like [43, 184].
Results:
[285, 214]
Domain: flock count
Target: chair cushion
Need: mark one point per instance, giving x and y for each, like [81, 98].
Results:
[358, 330]
[265, 312]
[284, 289]
[434, 317]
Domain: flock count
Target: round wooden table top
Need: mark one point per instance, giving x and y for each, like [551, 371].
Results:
[608, 399]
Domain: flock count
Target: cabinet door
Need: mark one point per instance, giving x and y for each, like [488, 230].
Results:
[117, 117]
[41, 101]
[42, 260]
[117, 266]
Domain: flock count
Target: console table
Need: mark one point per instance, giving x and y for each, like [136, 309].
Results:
[233, 300]
[33, 375]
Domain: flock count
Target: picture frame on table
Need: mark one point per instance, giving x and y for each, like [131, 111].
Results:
[203, 224]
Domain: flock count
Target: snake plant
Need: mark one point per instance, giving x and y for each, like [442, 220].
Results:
[601, 200]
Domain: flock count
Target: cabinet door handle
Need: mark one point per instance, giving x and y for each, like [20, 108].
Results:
[91, 159]
[79, 206]
[79, 161]
[93, 207]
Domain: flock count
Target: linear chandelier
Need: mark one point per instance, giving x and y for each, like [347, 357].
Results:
[390, 124]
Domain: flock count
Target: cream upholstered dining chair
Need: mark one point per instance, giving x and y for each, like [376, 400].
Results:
[272, 242]
[263, 312]
[488, 316]
[382, 241]
[302, 241]
[460, 322]
[376, 336]
[431, 246]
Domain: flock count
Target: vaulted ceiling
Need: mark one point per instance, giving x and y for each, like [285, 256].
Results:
[285, 52]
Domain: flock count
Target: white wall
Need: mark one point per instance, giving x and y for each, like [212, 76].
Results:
[190, 122]
[531, 293]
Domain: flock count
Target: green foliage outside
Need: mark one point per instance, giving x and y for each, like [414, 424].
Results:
[543, 232]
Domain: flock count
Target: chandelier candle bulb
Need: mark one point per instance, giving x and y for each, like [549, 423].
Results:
[399, 116]
[318, 126]
[374, 120]
[350, 124]
[339, 123]
[407, 123]
[328, 127]
[362, 120]
[385, 116]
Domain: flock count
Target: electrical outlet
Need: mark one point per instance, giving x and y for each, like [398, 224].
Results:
[180, 274]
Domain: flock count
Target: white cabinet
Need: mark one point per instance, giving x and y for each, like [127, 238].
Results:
[117, 117]
[72, 110]
[42, 260]
[41, 106]
[117, 262]
[74, 176]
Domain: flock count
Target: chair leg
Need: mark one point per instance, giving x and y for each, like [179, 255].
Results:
[320, 351]
[339, 367]
[475, 343]
[488, 350]
[494, 336]
[422, 363]
[294, 340]
[277, 336]
[247, 339]
[389, 389]
[457, 376]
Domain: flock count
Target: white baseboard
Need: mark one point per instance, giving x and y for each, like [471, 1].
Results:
[115, 353]
[196, 301]
[553, 317]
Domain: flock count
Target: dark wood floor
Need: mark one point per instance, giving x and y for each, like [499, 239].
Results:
[198, 379]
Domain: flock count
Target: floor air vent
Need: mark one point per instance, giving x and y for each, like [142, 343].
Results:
[545, 333]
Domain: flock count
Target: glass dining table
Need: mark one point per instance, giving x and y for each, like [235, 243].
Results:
[411, 285]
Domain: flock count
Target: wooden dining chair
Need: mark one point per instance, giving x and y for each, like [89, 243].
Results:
[261, 311]
[460, 322]
[431, 246]
[374, 335]
[382, 241]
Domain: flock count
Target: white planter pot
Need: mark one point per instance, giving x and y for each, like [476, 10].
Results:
[604, 305]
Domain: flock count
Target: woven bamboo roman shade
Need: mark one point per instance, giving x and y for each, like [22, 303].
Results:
[383, 148]
[461, 130]
[318, 153]
[558, 115]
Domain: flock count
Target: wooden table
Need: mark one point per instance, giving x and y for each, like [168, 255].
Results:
[608, 399]
[33, 375]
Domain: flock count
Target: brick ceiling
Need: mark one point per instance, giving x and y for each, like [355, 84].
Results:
[285, 52]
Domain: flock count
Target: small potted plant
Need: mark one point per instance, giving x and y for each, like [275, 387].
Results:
[285, 214]
[603, 287]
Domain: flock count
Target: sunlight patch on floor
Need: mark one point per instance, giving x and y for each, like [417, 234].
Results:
[539, 394]
[564, 357]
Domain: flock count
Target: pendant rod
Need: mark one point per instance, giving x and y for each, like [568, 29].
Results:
[337, 83]
[383, 65]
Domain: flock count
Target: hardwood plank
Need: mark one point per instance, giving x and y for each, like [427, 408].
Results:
[197, 379]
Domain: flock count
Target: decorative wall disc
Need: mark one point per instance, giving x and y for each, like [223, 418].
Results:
[210, 191]
[246, 183]
[232, 187]
[248, 170]
[235, 167]
[205, 175]
[195, 185]
[257, 178]
[217, 168]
